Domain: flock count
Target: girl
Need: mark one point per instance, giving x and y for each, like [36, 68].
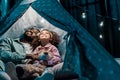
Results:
[47, 52]
[45, 55]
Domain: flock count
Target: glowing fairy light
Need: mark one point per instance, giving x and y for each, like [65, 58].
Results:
[118, 28]
[83, 15]
[101, 36]
[101, 24]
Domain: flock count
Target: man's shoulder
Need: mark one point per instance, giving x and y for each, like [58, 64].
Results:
[9, 39]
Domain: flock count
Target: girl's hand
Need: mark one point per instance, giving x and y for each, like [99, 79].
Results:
[35, 56]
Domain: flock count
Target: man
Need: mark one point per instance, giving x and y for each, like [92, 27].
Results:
[16, 50]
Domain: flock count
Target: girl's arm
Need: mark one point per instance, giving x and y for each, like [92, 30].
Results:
[56, 57]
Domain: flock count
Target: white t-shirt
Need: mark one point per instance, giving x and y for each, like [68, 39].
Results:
[28, 48]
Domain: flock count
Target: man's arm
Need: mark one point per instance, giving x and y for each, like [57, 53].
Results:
[10, 53]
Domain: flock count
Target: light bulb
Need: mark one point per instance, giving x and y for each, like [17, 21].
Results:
[83, 15]
[118, 28]
[101, 36]
[101, 24]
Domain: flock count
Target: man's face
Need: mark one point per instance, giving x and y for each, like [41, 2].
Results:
[31, 33]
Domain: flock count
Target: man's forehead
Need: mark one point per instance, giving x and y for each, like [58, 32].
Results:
[33, 29]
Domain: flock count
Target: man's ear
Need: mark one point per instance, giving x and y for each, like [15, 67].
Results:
[38, 34]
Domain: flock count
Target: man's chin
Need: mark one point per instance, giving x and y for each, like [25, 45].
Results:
[44, 40]
[28, 38]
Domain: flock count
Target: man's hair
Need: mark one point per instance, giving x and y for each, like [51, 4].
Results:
[29, 39]
[31, 28]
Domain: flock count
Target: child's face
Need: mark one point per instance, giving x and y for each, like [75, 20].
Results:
[45, 35]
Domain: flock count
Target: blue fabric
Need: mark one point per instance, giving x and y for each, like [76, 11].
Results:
[12, 50]
[84, 54]
[14, 16]
[43, 57]
[2, 66]
[45, 77]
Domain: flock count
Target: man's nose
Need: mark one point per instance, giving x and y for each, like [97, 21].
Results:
[33, 34]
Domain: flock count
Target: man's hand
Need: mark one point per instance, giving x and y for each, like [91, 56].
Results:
[32, 56]
[44, 62]
[28, 56]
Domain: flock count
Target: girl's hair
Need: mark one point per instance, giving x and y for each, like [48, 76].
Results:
[55, 39]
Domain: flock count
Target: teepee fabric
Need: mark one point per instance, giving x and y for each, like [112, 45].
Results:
[83, 54]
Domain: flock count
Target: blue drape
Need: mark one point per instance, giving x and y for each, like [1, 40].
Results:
[84, 54]
[97, 11]
[92, 62]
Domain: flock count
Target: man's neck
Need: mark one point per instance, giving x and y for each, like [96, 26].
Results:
[24, 40]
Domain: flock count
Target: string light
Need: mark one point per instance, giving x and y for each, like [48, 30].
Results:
[118, 28]
[101, 24]
[101, 36]
[83, 15]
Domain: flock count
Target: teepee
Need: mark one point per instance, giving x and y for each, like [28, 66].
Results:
[83, 54]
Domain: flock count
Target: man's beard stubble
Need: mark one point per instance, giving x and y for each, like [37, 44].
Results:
[28, 38]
